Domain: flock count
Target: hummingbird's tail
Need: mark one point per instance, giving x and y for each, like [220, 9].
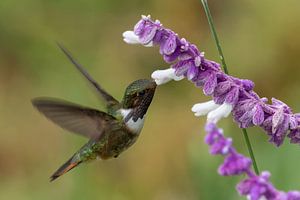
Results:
[70, 164]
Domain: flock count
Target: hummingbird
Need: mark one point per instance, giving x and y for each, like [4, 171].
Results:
[109, 133]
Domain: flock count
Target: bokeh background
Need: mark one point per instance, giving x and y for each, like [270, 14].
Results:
[170, 160]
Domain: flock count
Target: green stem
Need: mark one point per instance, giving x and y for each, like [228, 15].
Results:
[250, 150]
[214, 33]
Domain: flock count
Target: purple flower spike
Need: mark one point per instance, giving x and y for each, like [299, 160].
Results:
[234, 164]
[218, 143]
[221, 146]
[254, 187]
[257, 187]
[214, 134]
[211, 129]
[248, 108]
[230, 94]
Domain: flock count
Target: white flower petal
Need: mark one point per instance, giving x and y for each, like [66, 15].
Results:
[201, 109]
[130, 38]
[164, 76]
[221, 112]
[144, 17]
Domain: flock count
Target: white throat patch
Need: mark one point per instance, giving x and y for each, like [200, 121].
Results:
[137, 126]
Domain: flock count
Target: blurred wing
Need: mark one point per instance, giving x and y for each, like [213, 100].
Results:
[75, 118]
[107, 97]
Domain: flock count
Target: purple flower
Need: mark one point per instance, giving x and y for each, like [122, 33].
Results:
[246, 120]
[277, 119]
[294, 135]
[248, 85]
[145, 30]
[218, 143]
[293, 195]
[183, 66]
[230, 94]
[257, 187]
[278, 134]
[192, 72]
[221, 146]
[169, 45]
[254, 187]
[172, 57]
[139, 27]
[293, 123]
[248, 108]
[201, 78]
[222, 88]
[258, 115]
[234, 164]
[210, 84]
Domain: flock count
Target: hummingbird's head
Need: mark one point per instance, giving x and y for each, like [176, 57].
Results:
[138, 96]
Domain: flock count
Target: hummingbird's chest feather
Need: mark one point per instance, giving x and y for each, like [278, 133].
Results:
[121, 139]
[133, 125]
[118, 138]
[116, 142]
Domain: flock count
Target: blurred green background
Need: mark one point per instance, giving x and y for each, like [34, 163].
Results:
[170, 160]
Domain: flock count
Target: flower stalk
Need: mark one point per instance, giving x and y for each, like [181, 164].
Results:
[229, 95]
[236, 95]
[255, 186]
[215, 35]
[222, 58]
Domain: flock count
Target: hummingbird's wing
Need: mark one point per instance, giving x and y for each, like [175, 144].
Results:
[75, 118]
[110, 101]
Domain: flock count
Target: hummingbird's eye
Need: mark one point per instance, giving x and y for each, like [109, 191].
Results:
[141, 93]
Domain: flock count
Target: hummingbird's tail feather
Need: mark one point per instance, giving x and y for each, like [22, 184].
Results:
[70, 164]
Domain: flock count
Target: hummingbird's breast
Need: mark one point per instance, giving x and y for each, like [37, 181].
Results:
[121, 138]
[133, 125]
[116, 142]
